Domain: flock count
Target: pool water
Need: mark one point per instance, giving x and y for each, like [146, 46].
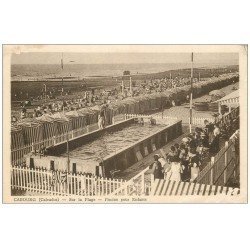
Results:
[111, 142]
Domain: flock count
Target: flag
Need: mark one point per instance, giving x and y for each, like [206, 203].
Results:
[192, 57]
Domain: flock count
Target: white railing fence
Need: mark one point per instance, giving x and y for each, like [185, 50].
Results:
[138, 185]
[43, 181]
[199, 120]
[185, 120]
[157, 117]
[222, 166]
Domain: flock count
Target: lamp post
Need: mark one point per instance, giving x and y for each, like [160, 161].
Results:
[67, 138]
[45, 92]
[122, 87]
[68, 160]
[62, 75]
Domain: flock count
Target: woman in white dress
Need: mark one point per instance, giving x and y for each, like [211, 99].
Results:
[175, 170]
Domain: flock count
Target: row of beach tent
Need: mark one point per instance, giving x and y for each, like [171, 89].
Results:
[33, 130]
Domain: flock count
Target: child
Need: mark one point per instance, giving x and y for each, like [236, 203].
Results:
[195, 170]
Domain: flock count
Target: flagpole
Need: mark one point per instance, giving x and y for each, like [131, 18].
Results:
[68, 161]
[67, 139]
[130, 85]
[62, 74]
[45, 90]
[122, 87]
[191, 95]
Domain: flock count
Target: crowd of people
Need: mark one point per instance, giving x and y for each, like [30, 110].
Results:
[159, 85]
[183, 161]
[93, 97]
[55, 106]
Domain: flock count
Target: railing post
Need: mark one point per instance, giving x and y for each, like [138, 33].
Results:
[126, 190]
[143, 183]
[152, 179]
[54, 140]
[226, 161]
[212, 171]
[87, 128]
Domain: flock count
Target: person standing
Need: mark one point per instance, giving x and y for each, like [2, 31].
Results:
[209, 130]
[23, 113]
[101, 118]
[177, 149]
[13, 119]
[157, 168]
[172, 153]
[216, 141]
[175, 169]
[195, 170]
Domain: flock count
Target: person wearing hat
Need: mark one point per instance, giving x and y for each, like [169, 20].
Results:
[185, 141]
[215, 144]
[204, 139]
[157, 168]
[165, 165]
[194, 166]
[172, 153]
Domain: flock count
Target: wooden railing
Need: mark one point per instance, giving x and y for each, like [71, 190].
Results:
[157, 117]
[199, 120]
[235, 113]
[42, 181]
[185, 120]
[221, 167]
[138, 185]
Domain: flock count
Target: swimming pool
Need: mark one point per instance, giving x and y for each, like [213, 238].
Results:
[111, 142]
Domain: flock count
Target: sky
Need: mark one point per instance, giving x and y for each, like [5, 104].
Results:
[122, 58]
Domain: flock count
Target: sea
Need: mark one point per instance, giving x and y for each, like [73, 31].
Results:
[49, 71]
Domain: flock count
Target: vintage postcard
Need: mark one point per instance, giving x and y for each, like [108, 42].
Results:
[125, 123]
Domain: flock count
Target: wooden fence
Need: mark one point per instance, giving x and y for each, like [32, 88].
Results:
[198, 120]
[185, 120]
[171, 188]
[42, 181]
[234, 114]
[138, 185]
[157, 117]
[221, 167]
[195, 120]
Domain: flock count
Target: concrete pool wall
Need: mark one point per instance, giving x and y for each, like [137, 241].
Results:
[121, 159]
[128, 156]
[76, 142]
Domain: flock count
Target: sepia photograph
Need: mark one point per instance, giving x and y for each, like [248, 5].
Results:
[125, 123]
